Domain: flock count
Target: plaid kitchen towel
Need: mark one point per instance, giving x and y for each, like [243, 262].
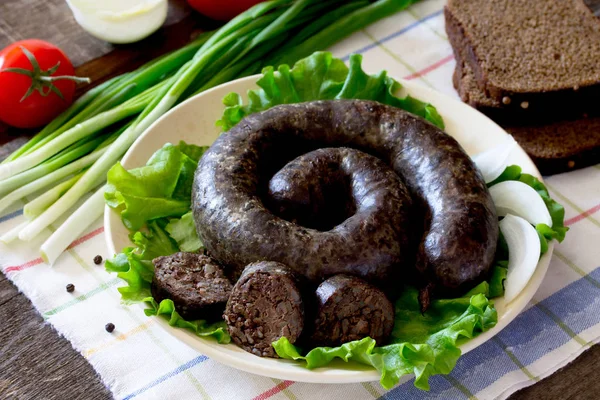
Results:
[140, 360]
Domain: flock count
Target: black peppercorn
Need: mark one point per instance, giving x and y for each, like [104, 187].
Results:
[70, 288]
[97, 259]
[110, 327]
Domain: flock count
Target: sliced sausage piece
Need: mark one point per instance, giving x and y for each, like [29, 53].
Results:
[265, 305]
[348, 309]
[196, 284]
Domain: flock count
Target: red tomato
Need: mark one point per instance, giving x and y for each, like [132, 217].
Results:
[27, 98]
[222, 10]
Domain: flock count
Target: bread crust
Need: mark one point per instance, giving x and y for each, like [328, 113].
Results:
[515, 106]
[554, 145]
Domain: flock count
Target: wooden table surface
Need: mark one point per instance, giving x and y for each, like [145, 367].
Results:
[35, 362]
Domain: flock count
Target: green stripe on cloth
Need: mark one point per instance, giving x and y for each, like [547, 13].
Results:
[515, 360]
[371, 389]
[573, 205]
[432, 29]
[561, 324]
[575, 268]
[460, 387]
[285, 390]
[81, 298]
[397, 58]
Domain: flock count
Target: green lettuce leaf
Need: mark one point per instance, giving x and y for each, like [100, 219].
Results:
[134, 264]
[321, 77]
[422, 344]
[162, 188]
[154, 242]
[557, 211]
[547, 233]
[183, 231]
[135, 271]
[496, 282]
[202, 328]
[192, 151]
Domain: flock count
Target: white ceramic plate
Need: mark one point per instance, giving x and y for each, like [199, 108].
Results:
[194, 122]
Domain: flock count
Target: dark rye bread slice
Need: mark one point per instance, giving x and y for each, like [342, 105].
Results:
[554, 147]
[560, 146]
[530, 58]
[526, 46]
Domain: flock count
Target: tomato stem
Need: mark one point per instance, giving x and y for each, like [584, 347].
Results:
[42, 81]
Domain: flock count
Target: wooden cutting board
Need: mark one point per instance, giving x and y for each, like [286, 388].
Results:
[51, 20]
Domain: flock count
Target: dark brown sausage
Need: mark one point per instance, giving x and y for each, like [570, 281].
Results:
[348, 309]
[353, 198]
[316, 190]
[265, 305]
[460, 226]
[195, 283]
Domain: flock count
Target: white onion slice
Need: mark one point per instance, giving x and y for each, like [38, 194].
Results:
[523, 254]
[518, 198]
[492, 162]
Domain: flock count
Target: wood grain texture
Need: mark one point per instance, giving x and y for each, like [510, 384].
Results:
[579, 380]
[49, 20]
[35, 362]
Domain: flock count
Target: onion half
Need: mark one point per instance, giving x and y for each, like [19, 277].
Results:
[119, 21]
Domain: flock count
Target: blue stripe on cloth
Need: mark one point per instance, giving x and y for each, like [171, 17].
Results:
[471, 369]
[11, 215]
[171, 374]
[395, 34]
[575, 307]
[529, 337]
[532, 335]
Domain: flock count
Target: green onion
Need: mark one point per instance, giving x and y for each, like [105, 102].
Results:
[74, 226]
[38, 205]
[13, 234]
[79, 131]
[46, 167]
[49, 179]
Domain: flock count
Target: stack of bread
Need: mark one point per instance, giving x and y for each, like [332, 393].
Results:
[533, 66]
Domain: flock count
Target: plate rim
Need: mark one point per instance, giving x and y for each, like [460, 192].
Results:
[333, 376]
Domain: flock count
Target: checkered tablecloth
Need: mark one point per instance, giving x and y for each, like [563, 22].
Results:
[140, 360]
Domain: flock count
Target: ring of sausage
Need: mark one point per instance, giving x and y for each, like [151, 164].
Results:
[360, 210]
[457, 240]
